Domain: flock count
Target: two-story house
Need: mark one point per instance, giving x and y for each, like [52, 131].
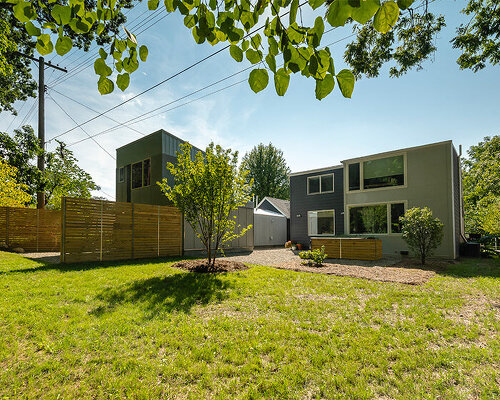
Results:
[365, 196]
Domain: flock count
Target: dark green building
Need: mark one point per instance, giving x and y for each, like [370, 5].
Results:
[142, 163]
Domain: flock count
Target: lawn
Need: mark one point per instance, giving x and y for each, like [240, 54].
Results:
[145, 330]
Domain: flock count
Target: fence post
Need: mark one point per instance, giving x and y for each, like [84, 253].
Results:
[132, 241]
[63, 230]
[100, 254]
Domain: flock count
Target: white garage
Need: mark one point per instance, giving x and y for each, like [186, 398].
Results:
[269, 228]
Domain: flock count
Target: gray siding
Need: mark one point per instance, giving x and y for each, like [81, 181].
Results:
[301, 203]
[457, 199]
[269, 207]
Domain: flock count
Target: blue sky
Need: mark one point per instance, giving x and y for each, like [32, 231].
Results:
[439, 102]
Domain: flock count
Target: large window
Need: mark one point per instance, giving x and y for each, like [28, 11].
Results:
[141, 174]
[321, 222]
[320, 184]
[380, 173]
[376, 219]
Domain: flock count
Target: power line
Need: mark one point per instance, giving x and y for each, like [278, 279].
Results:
[165, 80]
[72, 119]
[97, 112]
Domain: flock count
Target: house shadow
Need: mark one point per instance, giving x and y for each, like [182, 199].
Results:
[177, 292]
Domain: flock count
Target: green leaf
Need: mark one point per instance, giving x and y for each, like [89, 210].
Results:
[101, 68]
[324, 86]
[271, 62]
[236, 52]
[345, 79]
[273, 46]
[258, 80]
[169, 5]
[64, 45]
[43, 44]
[245, 45]
[153, 4]
[254, 56]
[338, 13]
[281, 81]
[32, 29]
[212, 4]
[316, 3]
[365, 11]
[386, 17]
[404, 4]
[122, 81]
[105, 85]
[293, 11]
[100, 28]
[102, 53]
[143, 53]
[23, 11]
[198, 35]
[190, 20]
[255, 41]
[61, 14]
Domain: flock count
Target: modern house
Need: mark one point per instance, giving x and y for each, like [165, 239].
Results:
[142, 163]
[365, 196]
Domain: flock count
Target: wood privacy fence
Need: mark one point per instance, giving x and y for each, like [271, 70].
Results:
[350, 248]
[96, 230]
[30, 228]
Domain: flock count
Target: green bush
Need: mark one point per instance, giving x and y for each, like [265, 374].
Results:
[422, 232]
[315, 257]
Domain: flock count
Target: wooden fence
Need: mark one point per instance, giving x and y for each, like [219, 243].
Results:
[96, 230]
[30, 228]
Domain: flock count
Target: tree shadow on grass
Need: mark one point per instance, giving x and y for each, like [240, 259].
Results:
[176, 292]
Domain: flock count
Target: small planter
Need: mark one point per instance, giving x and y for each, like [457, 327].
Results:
[299, 246]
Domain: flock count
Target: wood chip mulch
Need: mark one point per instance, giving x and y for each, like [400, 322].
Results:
[394, 273]
[202, 266]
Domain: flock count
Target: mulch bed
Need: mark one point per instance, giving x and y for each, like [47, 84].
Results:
[397, 273]
[201, 265]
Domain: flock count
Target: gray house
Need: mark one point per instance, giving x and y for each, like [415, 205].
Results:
[142, 163]
[371, 193]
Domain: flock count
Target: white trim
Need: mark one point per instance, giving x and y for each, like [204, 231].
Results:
[319, 234]
[320, 176]
[453, 203]
[312, 171]
[379, 203]
[391, 152]
[361, 173]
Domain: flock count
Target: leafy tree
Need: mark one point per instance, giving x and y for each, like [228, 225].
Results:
[481, 182]
[207, 190]
[402, 32]
[422, 232]
[268, 170]
[62, 176]
[12, 193]
[490, 223]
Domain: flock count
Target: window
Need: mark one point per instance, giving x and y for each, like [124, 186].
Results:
[321, 222]
[141, 174]
[354, 176]
[146, 180]
[384, 172]
[376, 219]
[137, 175]
[121, 174]
[320, 184]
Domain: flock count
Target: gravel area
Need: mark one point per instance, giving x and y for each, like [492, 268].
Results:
[384, 270]
[52, 258]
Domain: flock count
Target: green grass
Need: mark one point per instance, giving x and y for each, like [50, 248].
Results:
[145, 330]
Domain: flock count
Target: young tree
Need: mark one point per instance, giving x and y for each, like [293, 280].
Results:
[481, 182]
[274, 33]
[422, 232]
[207, 190]
[62, 177]
[12, 193]
[267, 167]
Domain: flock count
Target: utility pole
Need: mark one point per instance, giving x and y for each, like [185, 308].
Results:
[40, 196]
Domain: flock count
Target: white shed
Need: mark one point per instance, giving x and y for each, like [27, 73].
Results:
[269, 228]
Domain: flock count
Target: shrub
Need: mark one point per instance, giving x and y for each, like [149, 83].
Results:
[422, 232]
[288, 244]
[315, 257]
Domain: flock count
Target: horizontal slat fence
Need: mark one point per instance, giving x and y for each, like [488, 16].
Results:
[97, 230]
[350, 248]
[31, 229]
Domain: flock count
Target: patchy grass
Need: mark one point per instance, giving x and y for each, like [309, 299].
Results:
[145, 330]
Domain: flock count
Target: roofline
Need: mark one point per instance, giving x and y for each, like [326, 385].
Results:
[274, 205]
[311, 171]
[163, 131]
[388, 153]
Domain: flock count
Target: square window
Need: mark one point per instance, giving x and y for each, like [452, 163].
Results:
[368, 219]
[326, 183]
[313, 185]
[321, 222]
